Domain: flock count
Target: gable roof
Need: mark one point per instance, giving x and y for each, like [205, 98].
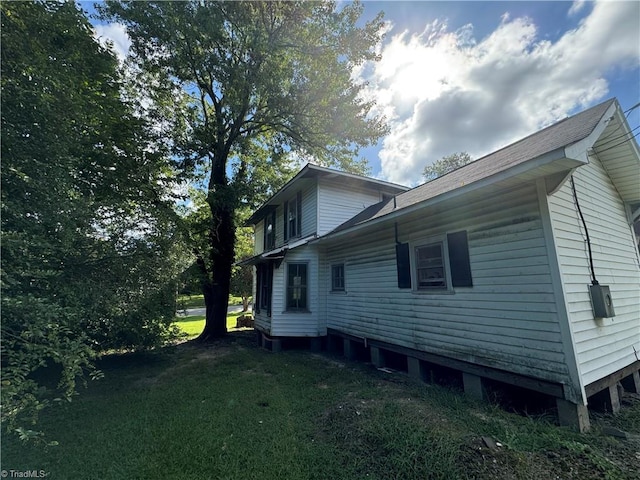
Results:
[547, 144]
[316, 171]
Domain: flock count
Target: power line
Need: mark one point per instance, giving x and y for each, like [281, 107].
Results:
[618, 144]
[603, 143]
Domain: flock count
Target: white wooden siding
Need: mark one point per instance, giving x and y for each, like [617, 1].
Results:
[309, 210]
[603, 346]
[296, 324]
[337, 204]
[507, 320]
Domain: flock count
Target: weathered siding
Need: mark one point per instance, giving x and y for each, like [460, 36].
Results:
[603, 346]
[296, 324]
[507, 320]
[339, 204]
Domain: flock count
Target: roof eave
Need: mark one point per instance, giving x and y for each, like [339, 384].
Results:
[520, 169]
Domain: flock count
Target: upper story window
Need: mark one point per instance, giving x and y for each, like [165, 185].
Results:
[270, 231]
[293, 217]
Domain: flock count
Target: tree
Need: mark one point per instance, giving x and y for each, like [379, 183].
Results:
[264, 84]
[89, 245]
[446, 164]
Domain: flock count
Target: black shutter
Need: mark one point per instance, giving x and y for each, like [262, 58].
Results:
[299, 214]
[404, 265]
[459, 259]
[256, 304]
[269, 280]
[273, 229]
[286, 221]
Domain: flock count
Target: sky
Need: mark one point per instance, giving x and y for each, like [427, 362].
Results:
[476, 76]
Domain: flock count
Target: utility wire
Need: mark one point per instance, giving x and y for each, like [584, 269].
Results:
[603, 143]
[618, 144]
[627, 112]
[594, 281]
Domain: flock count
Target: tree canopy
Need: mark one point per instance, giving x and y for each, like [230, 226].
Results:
[261, 86]
[446, 164]
[88, 228]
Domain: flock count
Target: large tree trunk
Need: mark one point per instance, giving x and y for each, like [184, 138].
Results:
[220, 261]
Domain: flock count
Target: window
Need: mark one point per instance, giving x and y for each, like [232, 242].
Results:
[297, 286]
[337, 278]
[430, 268]
[293, 217]
[441, 263]
[264, 276]
[270, 231]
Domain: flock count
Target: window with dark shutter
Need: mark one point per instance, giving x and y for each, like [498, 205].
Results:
[459, 262]
[293, 217]
[285, 217]
[270, 231]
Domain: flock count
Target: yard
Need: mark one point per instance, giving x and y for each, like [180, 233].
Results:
[232, 411]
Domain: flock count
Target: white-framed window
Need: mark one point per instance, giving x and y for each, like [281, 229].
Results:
[297, 287]
[431, 266]
[270, 231]
[437, 264]
[293, 217]
[337, 278]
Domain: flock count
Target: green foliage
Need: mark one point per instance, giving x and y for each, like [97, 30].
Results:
[446, 164]
[245, 92]
[89, 250]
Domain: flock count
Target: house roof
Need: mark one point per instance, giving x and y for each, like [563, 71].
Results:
[315, 171]
[548, 143]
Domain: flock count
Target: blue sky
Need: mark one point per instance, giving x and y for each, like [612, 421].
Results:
[475, 76]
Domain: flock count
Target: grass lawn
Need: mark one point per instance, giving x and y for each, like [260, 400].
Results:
[197, 301]
[194, 324]
[232, 411]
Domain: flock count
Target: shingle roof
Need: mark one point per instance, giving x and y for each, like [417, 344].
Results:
[558, 135]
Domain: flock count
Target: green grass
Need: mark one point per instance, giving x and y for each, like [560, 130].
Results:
[232, 411]
[197, 301]
[193, 325]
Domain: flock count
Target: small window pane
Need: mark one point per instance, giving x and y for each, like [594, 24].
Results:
[430, 268]
[337, 277]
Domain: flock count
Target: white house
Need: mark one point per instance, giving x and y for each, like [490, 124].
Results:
[288, 300]
[521, 267]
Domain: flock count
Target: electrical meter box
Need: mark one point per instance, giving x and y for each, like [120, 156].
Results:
[601, 301]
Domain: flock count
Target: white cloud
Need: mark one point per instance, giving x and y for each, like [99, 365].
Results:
[115, 33]
[444, 91]
[576, 7]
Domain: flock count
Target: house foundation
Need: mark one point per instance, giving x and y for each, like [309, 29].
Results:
[422, 365]
[473, 386]
[632, 382]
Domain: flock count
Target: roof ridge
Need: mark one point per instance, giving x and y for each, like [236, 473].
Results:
[523, 139]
